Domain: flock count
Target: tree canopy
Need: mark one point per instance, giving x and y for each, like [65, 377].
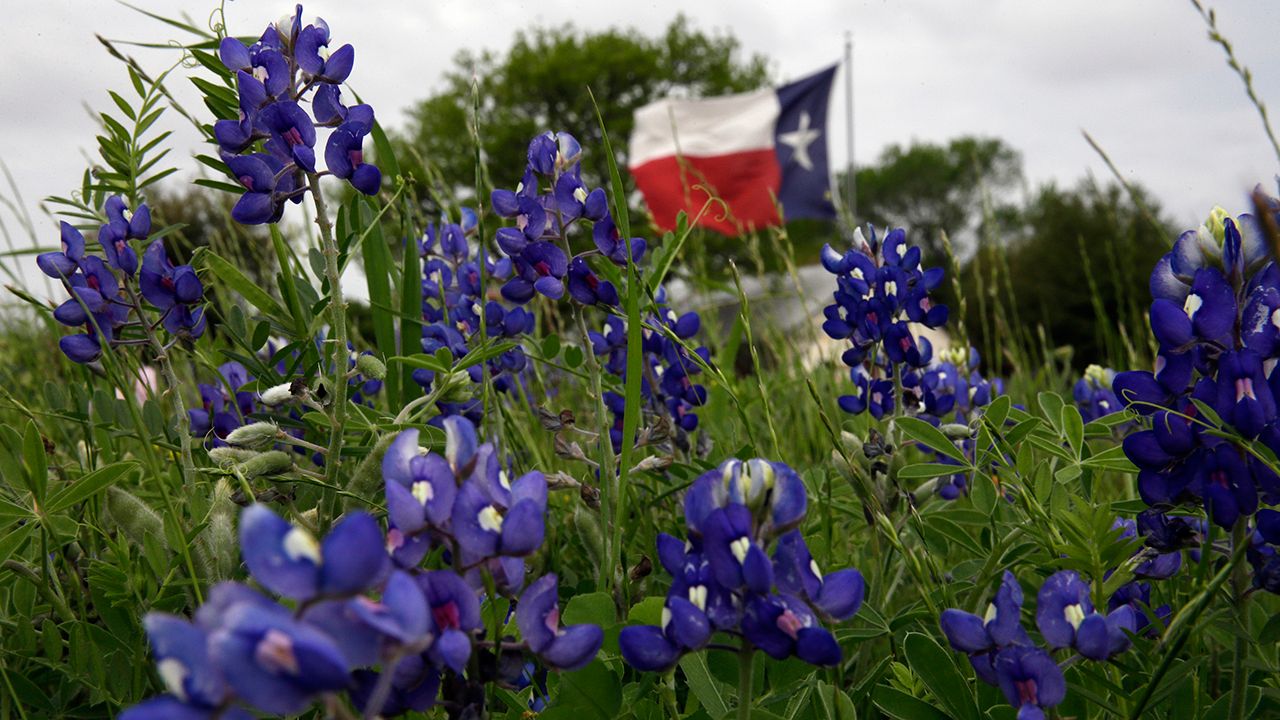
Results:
[542, 82]
[928, 188]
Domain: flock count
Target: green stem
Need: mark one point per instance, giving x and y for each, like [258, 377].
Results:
[608, 477]
[174, 390]
[58, 604]
[1239, 589]
[338, 320]
[745, 666]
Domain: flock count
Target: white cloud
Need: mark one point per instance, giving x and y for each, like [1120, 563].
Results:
[1140, 76]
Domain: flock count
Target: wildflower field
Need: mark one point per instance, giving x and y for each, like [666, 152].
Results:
[532, 475]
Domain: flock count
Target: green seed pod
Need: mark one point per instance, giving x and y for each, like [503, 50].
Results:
[957, 431]
[219, 538]
[371, 367]
[589, 532]
[366, 481]
[135, 519]
[271, 462]
[255, 436]
[225, 457]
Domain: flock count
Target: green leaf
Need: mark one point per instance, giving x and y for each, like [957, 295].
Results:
[592, 693]
[386, 157]
[378, 266]
[649, 611]
[410, 316]
[937, 668]
[834, 703]
[422, 361]
[550, 346]
[926, 434]
[998, 411]
[1073, 428]
[595, 608]
[902, 706]
[1051, 405]
[709, 691]
[231, 276]
[11, 543]
[921, 471]
[573, 357]
[89, 485]
[36, 462]
[983, 493]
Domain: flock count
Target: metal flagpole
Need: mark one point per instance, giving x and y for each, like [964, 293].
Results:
[851, 175]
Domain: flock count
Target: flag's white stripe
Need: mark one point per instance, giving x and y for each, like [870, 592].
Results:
[707, 127]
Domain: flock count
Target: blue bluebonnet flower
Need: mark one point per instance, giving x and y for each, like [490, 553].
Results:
[363, 608]
[880, 288]
[1030, 680]
[950, 390]
[724, 580]
[1004, 655]
[1093, 393]
[275, 77]
[667, 386]
[174, 289]
[102, 288]
[563, 647]
[455, 307]
[1066, 618]
[223, 405]
[122, 227]
[548, 203]
[1215, 315]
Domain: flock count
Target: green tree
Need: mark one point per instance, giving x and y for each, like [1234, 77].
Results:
[928, 188]
[1073, 264]
[541, 83]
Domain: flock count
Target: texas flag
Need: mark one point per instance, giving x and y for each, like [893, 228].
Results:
[744, 149]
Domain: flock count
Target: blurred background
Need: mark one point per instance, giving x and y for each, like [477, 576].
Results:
[967, 119]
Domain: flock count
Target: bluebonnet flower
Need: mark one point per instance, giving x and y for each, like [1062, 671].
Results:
[1093, 393]
[667, 386]
[547, 204]
[223, 405]
[455, 306]
[102, 288]
[1066, 618]
[119, 230]
[880, 288]
[982, 637]
[950, 390]
[275, 76]
[1215, 315]
[287, 560]
[365, 610]
[174, 289]
[344, 155]
[1004, 655]
[1030, 680]
[563, 647]
[724, 580]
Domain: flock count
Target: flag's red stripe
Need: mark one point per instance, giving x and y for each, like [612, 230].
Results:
[743, 180]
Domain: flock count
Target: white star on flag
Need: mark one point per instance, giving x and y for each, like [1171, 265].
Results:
[799, 141]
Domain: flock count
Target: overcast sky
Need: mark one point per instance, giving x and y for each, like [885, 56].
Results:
[1139, 75]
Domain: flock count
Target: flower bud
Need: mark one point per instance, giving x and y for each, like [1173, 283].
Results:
[268, 463]
[371, 367]
[455, 386]
[957, 431]
[259, 435]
